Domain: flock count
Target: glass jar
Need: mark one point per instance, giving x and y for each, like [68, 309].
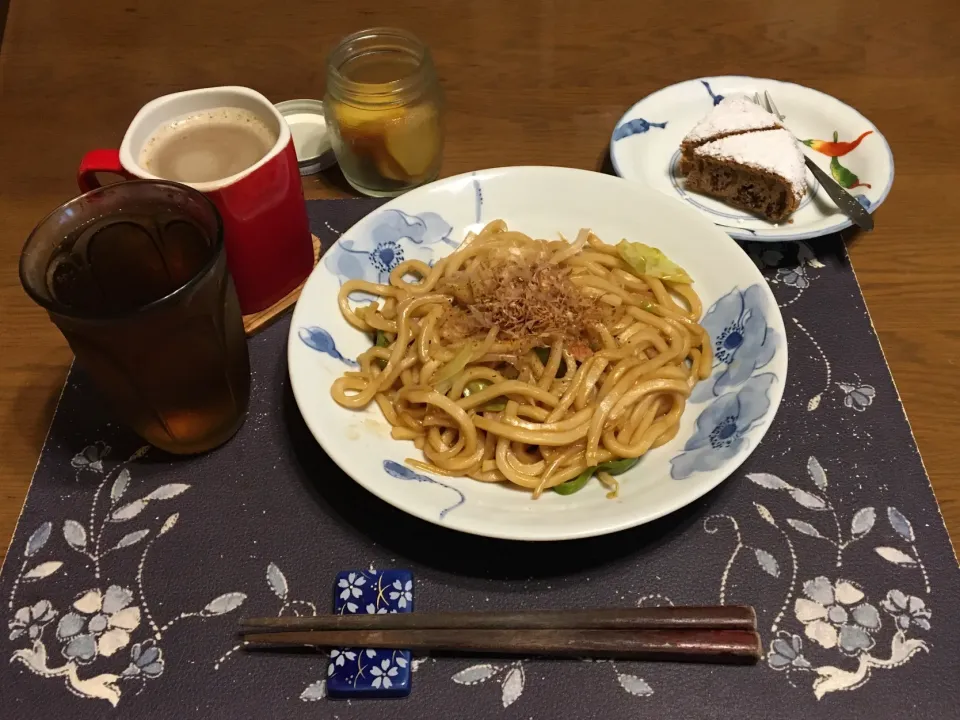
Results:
[383, 107]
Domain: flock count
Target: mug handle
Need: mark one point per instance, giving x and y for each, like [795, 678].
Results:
[95, 161]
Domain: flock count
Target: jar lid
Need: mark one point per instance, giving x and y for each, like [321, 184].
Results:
[308, 126]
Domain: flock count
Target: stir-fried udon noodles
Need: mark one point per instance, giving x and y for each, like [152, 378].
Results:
[534, 362]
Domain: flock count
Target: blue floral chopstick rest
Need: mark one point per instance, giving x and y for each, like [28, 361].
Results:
[367, 672]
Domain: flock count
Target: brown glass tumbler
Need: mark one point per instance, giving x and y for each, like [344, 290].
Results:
[135, 277]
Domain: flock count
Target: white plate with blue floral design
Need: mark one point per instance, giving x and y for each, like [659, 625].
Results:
[645, 146]
[725, 419]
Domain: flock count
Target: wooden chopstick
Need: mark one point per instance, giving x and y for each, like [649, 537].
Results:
[729, 617]
[690, 645]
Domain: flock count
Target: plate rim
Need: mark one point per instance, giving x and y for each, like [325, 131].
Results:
[741, 234]
[511, 533]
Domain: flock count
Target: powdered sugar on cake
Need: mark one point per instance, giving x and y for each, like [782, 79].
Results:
[774, 151]
[732, 115]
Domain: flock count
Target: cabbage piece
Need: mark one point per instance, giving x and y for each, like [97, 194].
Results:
[646, 260]
[442, 381]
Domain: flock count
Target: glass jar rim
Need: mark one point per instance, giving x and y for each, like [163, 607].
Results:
[50, 305]
[377, 92]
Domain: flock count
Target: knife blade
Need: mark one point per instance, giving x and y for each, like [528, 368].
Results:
[847, 203]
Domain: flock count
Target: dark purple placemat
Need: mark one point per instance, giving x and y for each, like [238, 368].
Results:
[128, 570]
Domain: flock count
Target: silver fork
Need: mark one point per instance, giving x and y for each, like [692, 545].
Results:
[847, 203]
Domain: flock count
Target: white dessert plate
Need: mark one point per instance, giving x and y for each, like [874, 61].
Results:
[645, 146]
[724, 420]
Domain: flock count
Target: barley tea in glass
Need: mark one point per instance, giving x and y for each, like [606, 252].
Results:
[134, 275]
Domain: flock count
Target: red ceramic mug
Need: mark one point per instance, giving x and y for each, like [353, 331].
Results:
[268, 242]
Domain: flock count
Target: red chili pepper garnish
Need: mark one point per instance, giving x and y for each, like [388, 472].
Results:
[835, 149]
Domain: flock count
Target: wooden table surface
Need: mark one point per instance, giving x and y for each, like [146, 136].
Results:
[535, 82]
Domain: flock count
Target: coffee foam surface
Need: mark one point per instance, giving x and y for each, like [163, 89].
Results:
[208, 145]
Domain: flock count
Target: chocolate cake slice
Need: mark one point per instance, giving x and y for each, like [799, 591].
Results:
[742, 155]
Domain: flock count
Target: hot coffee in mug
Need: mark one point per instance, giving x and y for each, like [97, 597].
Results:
[208, 145]
[231, 144]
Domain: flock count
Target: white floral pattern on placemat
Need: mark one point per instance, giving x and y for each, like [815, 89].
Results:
[833, 612]
[93, 634]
